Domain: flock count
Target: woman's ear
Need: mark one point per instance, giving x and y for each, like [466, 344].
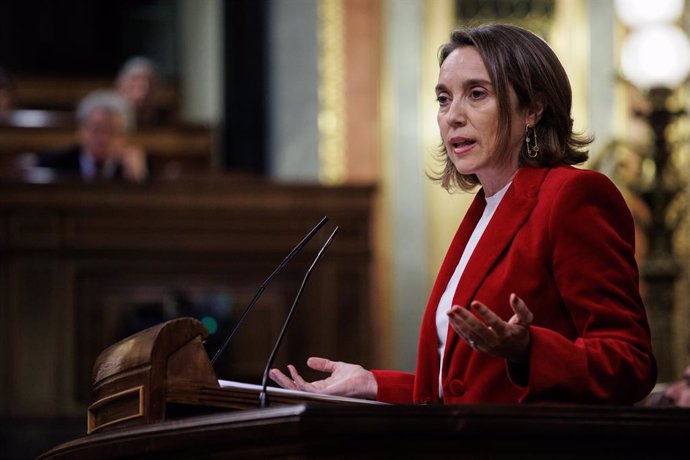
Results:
[534, 112]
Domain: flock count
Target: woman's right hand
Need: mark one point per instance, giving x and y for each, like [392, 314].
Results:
[346, 379]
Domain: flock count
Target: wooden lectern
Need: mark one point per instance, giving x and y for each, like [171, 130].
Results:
[136, 379]
[139, 382]
[163, 373]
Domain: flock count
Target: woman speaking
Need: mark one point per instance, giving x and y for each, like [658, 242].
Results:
[537, 299]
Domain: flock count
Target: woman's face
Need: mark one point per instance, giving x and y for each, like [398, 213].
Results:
[468, 120]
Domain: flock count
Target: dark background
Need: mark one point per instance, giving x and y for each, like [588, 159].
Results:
[87, 38]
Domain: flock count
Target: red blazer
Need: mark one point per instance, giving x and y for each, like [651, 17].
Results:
[563, 240]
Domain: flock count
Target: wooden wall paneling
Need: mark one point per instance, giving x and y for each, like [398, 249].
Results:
[118, 298]
[34, 363]
[77, 259]
[5, 348]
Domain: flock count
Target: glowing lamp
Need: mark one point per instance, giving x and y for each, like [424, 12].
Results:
[656, 56]
[637, 13]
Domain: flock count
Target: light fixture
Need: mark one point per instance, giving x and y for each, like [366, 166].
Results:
[656, 56]
[637, 13]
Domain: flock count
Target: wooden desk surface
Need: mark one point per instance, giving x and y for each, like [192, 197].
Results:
[467, 432]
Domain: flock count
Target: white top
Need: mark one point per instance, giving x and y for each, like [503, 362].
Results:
[445, 304]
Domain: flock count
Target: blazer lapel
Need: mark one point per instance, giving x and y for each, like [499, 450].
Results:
[427, 360]
[457, 247]
[511, 214]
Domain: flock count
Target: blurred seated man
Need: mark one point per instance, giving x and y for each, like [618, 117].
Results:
[673, 394]
[103, 152]
[137, 81]
[679, 392]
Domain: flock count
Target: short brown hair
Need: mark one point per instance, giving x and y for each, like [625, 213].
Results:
[517, 58]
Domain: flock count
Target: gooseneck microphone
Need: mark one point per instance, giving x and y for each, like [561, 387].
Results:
[263, 286]
[263, 395]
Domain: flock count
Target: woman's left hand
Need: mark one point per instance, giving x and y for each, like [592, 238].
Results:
[494, 336]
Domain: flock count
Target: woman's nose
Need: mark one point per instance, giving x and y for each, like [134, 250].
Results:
[456, 113]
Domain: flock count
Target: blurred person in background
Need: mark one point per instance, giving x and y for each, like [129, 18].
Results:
[678, 393]
[138, 83]
[673, 394]
[103, 150]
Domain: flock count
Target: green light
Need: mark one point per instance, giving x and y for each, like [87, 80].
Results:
[210, 323]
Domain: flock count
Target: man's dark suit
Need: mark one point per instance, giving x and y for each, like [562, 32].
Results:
[67, 163]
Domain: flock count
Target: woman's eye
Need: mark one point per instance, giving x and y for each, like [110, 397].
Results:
[477, 94]
[442, 99]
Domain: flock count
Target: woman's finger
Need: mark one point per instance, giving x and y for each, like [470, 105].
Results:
[524, 314]
[321, 364]
[281, 379]
[492, 320]
[299, 381]
[468, 328]
[456, 316]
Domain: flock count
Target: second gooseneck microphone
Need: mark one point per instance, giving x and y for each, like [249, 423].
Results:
[263, 395]
[278, 269]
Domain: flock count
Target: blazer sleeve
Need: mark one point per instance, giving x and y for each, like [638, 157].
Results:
[591, 234]
[394, 387]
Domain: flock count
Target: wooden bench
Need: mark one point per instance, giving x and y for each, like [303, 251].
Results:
[64, 93]
[44, 120]
[178, 148]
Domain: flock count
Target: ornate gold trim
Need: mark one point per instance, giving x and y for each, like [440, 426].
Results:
[331, 117]
[122, 396]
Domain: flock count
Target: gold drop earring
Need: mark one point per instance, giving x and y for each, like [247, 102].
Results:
[532, 150]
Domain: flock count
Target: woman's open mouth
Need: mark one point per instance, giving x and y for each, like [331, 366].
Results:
[461, 145]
